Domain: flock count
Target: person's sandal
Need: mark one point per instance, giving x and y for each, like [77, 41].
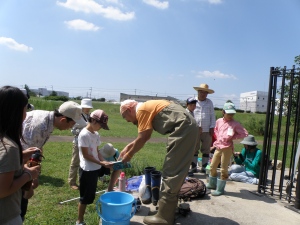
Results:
[74, 187]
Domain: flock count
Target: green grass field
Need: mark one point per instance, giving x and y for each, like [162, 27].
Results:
[44, 207]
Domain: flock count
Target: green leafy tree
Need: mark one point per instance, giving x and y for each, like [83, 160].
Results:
[53, 93]
[27, 88]
[57, 98]
[31, 93]
[287, 90]
[78, 98]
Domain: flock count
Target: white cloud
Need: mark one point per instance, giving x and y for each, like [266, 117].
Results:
[158, 4]
[230, 96]
[214, 74]
[113, 1]
[81, 25]
[11, 43]
[215, 2]
[90, 6]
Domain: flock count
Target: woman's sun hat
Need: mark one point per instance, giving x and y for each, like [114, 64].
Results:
[204, 87]
[86, 103]
[107, 150]
[249, 140]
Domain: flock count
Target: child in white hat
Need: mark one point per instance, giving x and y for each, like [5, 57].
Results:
[86, 105]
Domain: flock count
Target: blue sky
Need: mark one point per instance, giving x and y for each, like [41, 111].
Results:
[147, 47]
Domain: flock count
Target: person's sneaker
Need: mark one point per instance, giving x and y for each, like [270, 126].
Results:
[255, 181]
[74, 187]
[138, 204]
[80, 223]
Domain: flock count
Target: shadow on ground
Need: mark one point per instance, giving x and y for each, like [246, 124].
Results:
[50, 181]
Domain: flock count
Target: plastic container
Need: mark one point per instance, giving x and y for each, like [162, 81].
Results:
[207, 172]
[122, 182]
[116, 208]
[199, 162]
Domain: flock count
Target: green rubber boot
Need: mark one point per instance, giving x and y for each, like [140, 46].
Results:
[165, 214]
[220, 188]
[212, 183]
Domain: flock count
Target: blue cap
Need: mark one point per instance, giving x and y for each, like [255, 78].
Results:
[191, 100]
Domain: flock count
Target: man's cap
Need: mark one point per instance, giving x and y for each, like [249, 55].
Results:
[229, 108]
[71, 110]
[101, 117]
[107, 150]
[191, 100]
[204, 87]
[86, 103]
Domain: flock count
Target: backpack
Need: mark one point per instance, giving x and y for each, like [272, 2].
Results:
[192, 188]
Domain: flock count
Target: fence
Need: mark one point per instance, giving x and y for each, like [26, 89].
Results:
[281, 137]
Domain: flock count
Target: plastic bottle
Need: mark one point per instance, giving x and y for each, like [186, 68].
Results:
[207, 171]
[199, 162]
[35, 159]
[122, 182]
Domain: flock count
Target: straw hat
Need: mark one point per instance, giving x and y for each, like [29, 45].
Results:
[249, 140]
[204, 87]
[107, 150]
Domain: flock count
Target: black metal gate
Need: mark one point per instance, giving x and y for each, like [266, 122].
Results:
[281, 137]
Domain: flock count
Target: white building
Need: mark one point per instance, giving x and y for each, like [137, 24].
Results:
[143, 98]
[254, 101]
[45, 92]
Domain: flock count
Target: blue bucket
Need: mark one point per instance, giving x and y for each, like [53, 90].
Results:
[116, 208]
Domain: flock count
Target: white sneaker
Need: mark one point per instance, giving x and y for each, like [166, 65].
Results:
[255, 181]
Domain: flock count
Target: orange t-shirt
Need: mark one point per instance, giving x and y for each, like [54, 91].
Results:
[147, 111]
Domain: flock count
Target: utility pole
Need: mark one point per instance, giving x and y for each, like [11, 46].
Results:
[91, 93]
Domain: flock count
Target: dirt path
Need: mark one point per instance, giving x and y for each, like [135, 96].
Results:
[55, 138]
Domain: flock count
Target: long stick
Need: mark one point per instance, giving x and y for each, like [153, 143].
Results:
[72, 199]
